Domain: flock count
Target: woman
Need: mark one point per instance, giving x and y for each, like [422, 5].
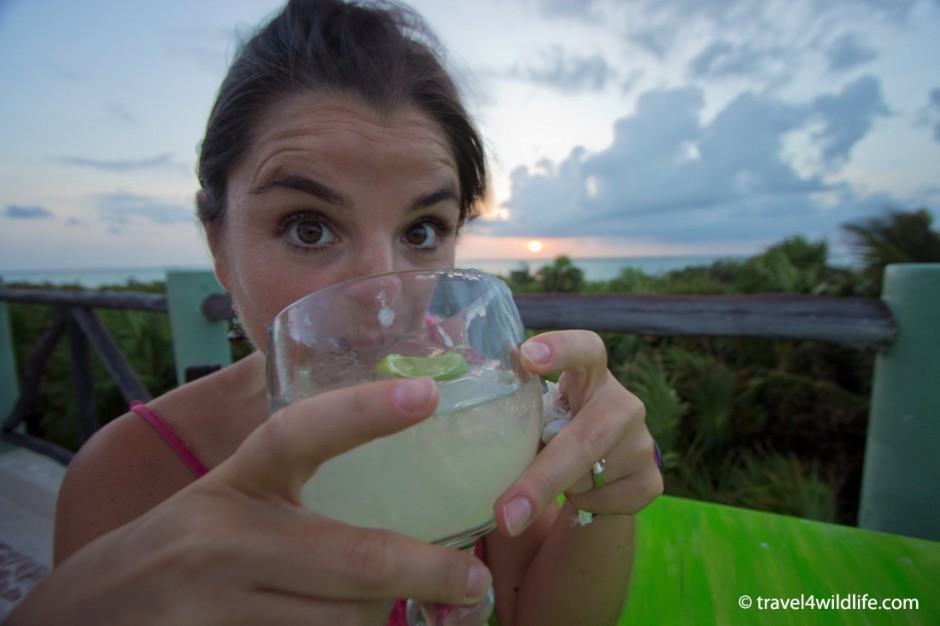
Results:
[337, 147]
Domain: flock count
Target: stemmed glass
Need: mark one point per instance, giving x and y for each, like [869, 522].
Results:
[436, 481]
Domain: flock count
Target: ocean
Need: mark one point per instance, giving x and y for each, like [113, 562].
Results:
[595, 269]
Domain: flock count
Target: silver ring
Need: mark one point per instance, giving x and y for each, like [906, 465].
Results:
[599, 473]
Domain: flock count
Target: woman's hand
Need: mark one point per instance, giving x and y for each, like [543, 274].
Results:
[608, 423]
[236, 547]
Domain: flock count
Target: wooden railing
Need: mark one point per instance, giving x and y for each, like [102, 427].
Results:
[860, 323]
[894, 326]
[74, 317]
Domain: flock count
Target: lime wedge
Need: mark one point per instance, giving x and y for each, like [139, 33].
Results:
[441, 367]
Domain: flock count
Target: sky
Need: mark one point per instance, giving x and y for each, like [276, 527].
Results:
[614, 128]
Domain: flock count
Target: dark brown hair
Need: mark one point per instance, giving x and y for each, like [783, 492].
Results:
[380, 52]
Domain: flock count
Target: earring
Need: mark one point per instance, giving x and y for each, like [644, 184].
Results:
[236, 334]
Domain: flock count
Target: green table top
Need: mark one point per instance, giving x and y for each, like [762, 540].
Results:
[696, 561]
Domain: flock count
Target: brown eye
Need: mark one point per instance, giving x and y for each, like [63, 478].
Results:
[309, 232]
[422, 235]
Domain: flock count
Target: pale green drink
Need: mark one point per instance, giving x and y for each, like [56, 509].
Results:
[439, 478]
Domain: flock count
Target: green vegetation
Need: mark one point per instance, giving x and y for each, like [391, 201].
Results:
[771, 425]
[143, 337]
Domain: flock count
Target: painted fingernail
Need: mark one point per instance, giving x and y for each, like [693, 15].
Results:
[536, 352]
[413, 394]
[478, 582]
[517, 513]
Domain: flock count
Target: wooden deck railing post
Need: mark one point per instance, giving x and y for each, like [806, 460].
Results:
[84, 380]
[901, 479]
[196, 339]
[9, 381]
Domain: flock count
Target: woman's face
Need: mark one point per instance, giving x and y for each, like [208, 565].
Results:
[330, 190]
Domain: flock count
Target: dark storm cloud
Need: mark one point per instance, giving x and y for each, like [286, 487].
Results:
[668, 175]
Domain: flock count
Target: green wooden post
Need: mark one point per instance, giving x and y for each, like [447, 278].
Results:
[901, 478]
[9, 385]
[196, 340]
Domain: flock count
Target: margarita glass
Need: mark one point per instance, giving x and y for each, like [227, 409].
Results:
[436, 481]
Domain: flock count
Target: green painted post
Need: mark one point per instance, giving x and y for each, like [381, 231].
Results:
[901, 477]
[9, 385]
[196, 340]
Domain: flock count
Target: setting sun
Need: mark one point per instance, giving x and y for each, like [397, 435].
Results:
[534, 246]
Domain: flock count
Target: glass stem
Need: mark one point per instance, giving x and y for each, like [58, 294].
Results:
[426, 613]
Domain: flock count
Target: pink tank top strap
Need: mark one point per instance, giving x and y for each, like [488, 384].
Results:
[166, 432]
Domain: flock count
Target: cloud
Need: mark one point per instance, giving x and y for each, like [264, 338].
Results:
[661, 27]
[848, 52]
[668, 175]
[569, 73]
[568, 9]
[895, 10]
[737, 37]
[930, 114]
[162, 161]
[207, 48]
[120, 209]
[848, 116]
[62, 72]
[19, 212]
[722, 59]
[120, 112]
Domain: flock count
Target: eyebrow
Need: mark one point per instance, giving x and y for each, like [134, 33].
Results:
[305, 185]
[428, 200]
[317, 189]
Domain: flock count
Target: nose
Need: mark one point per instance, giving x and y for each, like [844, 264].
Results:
[372, 257]
[376, 310]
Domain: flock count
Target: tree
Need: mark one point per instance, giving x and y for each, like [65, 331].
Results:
[899, 237]
[794, 265]
[561, 276]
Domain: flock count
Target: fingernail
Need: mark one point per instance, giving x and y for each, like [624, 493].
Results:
[536, 352]
[517, 513]
[413, 394]
[478, 581]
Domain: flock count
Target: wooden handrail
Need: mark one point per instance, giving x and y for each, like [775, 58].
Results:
[859, 323]
[153, 302]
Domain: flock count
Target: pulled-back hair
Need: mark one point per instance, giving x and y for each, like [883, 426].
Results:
[380, 52]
